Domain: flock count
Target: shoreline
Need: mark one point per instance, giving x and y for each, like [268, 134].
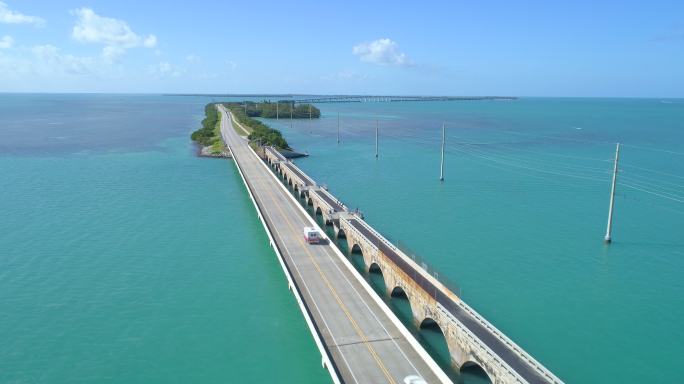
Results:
[209, 152]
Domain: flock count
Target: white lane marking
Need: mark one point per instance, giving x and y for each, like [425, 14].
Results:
[383, 306]
[330, 254]
[289, 254]
[417, 347]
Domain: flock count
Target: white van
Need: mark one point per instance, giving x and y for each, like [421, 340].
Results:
[311, 235]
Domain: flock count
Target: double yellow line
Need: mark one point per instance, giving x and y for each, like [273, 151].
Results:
[353, 322]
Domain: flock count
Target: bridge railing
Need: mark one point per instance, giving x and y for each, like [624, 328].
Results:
[428, 267]
[540, 368]
[455, 288]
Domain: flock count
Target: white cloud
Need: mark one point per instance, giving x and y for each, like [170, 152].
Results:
[231, 64]
[192, 59]
[165, 69]
[114, 34]
[6, 42]
[112, 53]
[381, 52]
[8, 16]
[47, 62]
[49, 59]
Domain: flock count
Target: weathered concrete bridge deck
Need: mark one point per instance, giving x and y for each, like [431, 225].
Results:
[470, 338]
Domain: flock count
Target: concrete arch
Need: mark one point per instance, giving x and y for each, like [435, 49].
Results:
[476, 369]
[309, 202]
[428, 323]
[400, 293]
[318, 211]
[341, 234]
[375, 268]
[356, 250]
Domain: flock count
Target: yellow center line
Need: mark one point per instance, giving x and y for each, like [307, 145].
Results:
[358, 329]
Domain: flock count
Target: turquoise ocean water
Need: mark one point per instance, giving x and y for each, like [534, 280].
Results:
[124, 258]
[518, 223]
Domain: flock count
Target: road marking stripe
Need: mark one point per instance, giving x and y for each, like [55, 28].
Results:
[306, 287]
[332, 289]
[355, 325]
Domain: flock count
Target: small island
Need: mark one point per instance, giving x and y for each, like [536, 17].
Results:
[209, 136]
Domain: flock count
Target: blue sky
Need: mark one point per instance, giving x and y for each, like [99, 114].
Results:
[543, 48]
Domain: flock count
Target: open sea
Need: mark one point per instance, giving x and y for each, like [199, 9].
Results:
[124, 258]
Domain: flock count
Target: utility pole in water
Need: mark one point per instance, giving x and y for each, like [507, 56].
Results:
[441, 166]
[338, 127]
[309, 111]
[291, 108]
[609, 229]
[277, 112]
[377, 123]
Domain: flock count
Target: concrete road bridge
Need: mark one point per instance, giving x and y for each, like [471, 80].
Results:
[380, 99]
[471, 339]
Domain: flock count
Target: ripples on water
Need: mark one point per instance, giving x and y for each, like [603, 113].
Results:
[121, 259]
[520, 219]
[124, 258]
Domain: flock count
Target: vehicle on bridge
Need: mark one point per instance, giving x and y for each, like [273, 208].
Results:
[311, 235]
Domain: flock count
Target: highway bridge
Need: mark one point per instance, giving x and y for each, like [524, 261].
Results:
[370, 99]
[360, 339]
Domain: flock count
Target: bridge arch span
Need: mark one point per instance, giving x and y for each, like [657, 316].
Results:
[437, 337]
[358, 249]
[376, 270]
[475, 369]
[340, 233]
[463, 356]
[398, 293]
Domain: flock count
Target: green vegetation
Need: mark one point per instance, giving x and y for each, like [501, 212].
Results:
[258, 130]
[282, 108]
[209, 134]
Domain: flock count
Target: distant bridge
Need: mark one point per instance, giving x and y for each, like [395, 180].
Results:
[291, 98]
[376, 99]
